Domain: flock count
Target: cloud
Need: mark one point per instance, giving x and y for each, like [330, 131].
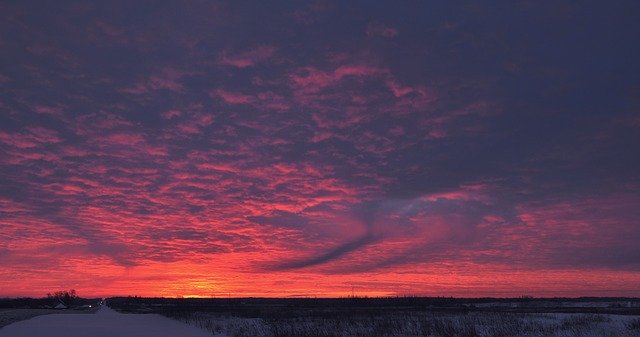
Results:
[31, 137]
[167, 79]
[127, 139]
[170, 114]
[232, 97]
[263, 100]
[248, 58]
[328, 256]
[49, 110]
[311, 79]
[195, 124]
[378, 29]
[153, 157]
[403, 231]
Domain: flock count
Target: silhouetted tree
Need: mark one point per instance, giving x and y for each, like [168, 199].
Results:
[67, 297]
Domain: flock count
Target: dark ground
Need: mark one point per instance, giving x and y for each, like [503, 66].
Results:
[278, 307]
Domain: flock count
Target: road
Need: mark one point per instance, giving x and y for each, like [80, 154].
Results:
[104, 323]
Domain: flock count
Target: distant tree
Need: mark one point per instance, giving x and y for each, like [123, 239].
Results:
[67, 297]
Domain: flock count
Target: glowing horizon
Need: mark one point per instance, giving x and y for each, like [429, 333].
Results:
[319, 149]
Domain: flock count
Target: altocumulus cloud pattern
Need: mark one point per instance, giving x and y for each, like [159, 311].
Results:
[309, 148]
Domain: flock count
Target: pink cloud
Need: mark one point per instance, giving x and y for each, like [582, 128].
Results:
[170, 114]
[580, 227]
[157, 83]
[463, 193]
[437, 134]
[319, 136]
[418, 93]
[247, 59]
[88, 124]
[356, 70]
[222, 167]
[196, 123]
[48, 110]
[232, 97]
[122, 138]
[75, 151]
[159, 151]
[167, 79]
[31, 138]
[397, 131]
[18, 141]
[397, 89]
[311, 79]
[204, 119]
[189, 128]
[137, 89]
[272, 101]
[43, 135]
[263, 100]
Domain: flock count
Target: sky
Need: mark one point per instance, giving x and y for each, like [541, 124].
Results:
[320, 149]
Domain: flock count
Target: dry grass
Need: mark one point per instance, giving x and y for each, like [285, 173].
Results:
[478, 324]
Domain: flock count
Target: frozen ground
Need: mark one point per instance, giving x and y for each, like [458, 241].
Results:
[104, 323]
[107, 322]
[482, 324]
[8, 316]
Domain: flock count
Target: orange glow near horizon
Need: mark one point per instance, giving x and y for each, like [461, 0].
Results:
[181, 279]
[410, 248]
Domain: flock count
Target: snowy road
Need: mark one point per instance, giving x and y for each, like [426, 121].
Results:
[104, 323]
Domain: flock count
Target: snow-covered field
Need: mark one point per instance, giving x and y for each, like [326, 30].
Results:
[8, 316]
[105, 322]
[479, 324]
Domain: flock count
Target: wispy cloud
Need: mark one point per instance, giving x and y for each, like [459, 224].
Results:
[248, 58]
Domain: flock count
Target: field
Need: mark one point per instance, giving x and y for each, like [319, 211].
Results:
[104, 322]
[439, 317]
[432, 324]
[9, 316]
[17, 309]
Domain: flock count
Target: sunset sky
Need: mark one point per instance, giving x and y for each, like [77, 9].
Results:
[259, 148]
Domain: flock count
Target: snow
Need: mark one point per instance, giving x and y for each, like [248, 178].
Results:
[104, 323]
[107, 322]
[482, 324]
